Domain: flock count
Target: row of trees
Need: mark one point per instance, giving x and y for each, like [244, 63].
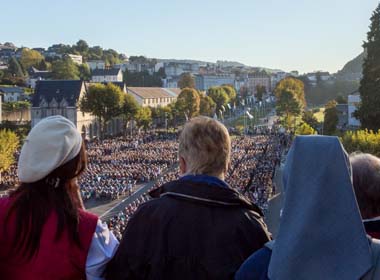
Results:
[109, 101]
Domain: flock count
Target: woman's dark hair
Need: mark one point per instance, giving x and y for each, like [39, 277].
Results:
[32, 203]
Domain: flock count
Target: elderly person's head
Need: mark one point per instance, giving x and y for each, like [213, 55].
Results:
[366, 180]
[204, 147]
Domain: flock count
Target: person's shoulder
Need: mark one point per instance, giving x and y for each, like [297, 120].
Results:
[256, 266]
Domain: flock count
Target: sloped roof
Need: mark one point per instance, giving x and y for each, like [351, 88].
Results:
[11, 90]
[58, 89]
[154, 92]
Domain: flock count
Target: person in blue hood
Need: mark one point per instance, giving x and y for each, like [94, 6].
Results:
[321, 234]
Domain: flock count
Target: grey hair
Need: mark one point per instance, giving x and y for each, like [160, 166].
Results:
[366, 181]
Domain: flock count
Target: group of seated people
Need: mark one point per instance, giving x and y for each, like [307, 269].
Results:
[196, 226]
[251, 171]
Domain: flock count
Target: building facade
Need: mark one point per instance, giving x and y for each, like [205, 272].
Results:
[204, 82]
[259, 79]
[12, 94]
[353, 101]
[106, 75]
[62, 97]
[154, 96]
[96, 64]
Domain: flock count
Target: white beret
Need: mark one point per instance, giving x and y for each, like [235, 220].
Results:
[50, 144]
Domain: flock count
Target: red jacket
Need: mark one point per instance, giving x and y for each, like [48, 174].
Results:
[54, 260]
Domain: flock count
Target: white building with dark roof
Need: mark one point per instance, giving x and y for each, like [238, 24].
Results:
[12, 94]
[106, 75]
[62, 97]
[154, 96]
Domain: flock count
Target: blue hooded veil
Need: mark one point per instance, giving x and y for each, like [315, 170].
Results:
[321, 235]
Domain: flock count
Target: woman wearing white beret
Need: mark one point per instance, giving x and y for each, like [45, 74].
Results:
[45, 233]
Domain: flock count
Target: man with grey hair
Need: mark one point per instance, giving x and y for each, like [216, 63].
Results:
[198, 227]
[366, 180]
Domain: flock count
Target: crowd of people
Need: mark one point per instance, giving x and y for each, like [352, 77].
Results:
[254, 160]
[117, 165]
[198, 226]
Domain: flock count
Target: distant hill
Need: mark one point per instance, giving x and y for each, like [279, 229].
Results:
[352, 71]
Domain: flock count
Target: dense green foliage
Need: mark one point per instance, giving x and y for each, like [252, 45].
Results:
[304, 129]
[369, 110]
[144, 117]
[331, 118]
[207, 106]
[65, 69]
[9, 143]
[309, 118]
[365, 141]
[30, 58]
[103, 101]
[290, 100]
[188, 102]
[142, 79]
[219, 96]
[186, 80]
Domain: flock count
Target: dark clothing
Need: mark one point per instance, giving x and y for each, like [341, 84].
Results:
[256, 266]
[372, 228]
[195, 230]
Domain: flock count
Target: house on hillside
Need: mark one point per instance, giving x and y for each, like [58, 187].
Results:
[96, 64]
[154, 96]
[12, 94]
[353, 101]
[77, 59]
[106, 75]
[37, 75]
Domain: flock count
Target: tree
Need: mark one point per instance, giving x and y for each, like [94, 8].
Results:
[219, 96]
[129, 109]
[82, 47]
[207, 106]
[331, 118]
[369, 110]
[14, 68]
[304, 129]
[30, 58]
[340, 99]
[309, 118]
[260, 91]
[231, 92]
[84, 72]
[104, 102]
[144, 117]
[188, 102]
[294, 85]
[65, 69]
[186, 80]
[288, 105]
[9, 143]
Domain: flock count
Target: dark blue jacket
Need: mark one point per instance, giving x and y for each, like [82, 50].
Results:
[256, 266]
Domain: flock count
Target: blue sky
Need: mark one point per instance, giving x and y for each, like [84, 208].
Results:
[304, 35]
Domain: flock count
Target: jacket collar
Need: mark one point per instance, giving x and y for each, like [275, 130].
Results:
[205, 193]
